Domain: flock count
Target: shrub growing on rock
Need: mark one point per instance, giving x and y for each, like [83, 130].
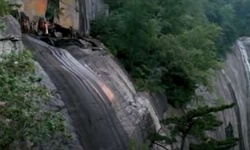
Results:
[22, 99]
[194, 123]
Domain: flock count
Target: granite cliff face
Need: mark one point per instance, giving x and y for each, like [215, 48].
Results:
[232, 85]
[91, 90]
[105, 110]
[75, 13]
[32, 8]
[10, 37]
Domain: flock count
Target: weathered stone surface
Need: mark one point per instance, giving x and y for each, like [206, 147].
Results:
[232, 86]
[97, 8]
[235, 88]
[10, 36]
[76, 13]
[105, 109]
[89, 10]
[32, 8]
[56, 105]
[129, 105]
[70, 14]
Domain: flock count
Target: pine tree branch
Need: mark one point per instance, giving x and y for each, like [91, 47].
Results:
[161, 145]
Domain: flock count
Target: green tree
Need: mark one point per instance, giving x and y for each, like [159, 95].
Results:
[242, 16]
[233, 16]
[164, 45]
[195, 123]
[187, 60]
[22, 115]
[222, 13]
[4, 8]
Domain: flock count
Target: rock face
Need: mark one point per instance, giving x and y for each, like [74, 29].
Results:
[89, 10]
[75, 13]
[70, 13]
[32, 8]
[103, 105]
[55, 105]
[105, 109]
[10, 36]
[233, 86]
[79, 13]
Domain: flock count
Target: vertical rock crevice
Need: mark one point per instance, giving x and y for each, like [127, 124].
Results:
[84, 20]
[237, 112]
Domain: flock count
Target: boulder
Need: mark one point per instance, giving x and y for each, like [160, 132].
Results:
[10, 35]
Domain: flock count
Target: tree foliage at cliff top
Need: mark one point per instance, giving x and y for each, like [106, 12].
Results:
[169, 45]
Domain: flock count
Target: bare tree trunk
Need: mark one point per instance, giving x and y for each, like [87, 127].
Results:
[183, 138]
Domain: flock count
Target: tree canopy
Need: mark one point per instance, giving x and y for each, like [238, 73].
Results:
[172, 46]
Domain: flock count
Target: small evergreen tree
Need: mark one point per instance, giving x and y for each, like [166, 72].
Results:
[195, 123]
